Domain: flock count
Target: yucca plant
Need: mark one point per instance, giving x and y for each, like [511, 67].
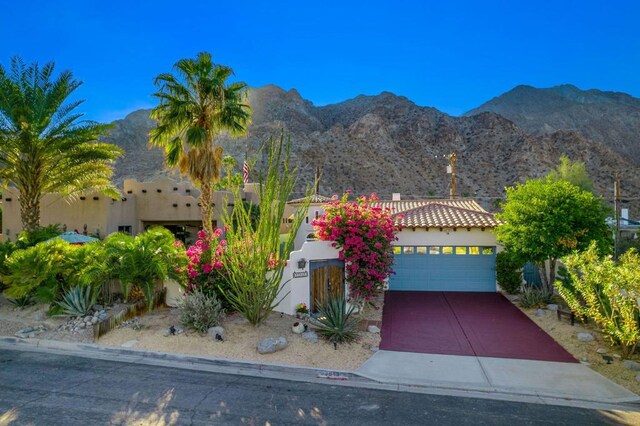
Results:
[78, 301]
[23, 301]
[532, 297]
[335, 321]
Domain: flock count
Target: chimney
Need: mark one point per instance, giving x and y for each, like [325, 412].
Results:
[395, 196]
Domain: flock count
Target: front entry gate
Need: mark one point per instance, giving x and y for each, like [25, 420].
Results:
[327, 282]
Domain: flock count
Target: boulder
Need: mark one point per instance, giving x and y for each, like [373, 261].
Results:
[310, 336]
[602, 351]
[638, 378]
[631, 365]
[212, 331]
[552, 307]
[373, 329]
[585, 337]
[540, 313]
[270, 345]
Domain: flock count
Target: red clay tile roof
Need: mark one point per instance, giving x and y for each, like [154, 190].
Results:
[441, 213]
[315, 199]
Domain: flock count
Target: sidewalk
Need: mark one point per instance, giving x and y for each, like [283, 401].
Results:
[392, 371]
[542, 379]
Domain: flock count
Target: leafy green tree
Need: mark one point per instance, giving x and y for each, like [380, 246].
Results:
[45, 147]
[253, 260]
[509, 272]
[543, 220]
[197, 103]
[573, 172]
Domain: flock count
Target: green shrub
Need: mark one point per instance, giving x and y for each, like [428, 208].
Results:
[532, 297]
[6, 249]
[335, 322]
[23, 302]
[78, 301]
[199, 311]
[606, 292]
[40, 234]
[509, 272]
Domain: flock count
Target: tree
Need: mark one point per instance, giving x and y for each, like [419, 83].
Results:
[573, 172]
[45, 147]
[196, 105]
[543, 220]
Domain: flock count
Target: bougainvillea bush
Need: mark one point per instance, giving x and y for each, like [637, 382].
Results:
[363, 232]
[205, 269]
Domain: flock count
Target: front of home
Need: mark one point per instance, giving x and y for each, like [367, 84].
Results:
[444, 245]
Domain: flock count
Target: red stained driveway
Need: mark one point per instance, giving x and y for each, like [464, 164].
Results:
[459, 323]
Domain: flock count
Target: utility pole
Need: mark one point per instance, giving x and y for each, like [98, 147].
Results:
[452, 163]
[616, 200]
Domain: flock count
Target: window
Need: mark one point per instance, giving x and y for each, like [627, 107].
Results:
[408, 250]
[397, 250]
[487, 250]
[434, 250]
[461, 251]
[126, 229]
[474, 250]
[447, 250]
[421, 250]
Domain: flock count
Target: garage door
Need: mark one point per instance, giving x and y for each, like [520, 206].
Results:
[444, 268]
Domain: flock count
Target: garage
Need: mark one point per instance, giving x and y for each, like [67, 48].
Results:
[444, 268]
[444, 245]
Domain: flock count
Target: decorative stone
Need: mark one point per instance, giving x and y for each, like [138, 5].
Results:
[94, 320]
[631, 365]
[540, 313]
[270, 345]
[297, 327]
[585, 363]
[638, 378]
[81, 325]
[98, 308]
[617, 356]
[552, 307]
[375, 349]
[310, 336]
[585, 337]
[212, 331]
[130, 343]
[373, 329]
[602, 351]
[88, 318]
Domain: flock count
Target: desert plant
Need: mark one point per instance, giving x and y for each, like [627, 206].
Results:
[78, 301]
[335, 321]
[200, 311]
[509, 272]
[606, 292]
[532, 297]
[23, 301]
[253, 260]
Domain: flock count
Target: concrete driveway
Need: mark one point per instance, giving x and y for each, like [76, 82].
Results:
[461, 323]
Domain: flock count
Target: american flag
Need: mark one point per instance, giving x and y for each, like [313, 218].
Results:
[245, 172]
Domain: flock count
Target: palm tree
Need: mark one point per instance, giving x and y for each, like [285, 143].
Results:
[45, 147]
[196, 105]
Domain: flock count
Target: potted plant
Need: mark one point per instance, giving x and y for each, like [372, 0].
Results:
[301, 310]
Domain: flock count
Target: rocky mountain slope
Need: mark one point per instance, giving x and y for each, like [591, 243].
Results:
[387, 144]
[608, 118]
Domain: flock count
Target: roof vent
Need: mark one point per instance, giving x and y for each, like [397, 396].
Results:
[395, 196]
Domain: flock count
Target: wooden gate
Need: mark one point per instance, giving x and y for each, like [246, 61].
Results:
[327, 282]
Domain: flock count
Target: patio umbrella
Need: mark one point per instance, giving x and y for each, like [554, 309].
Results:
[75, 238]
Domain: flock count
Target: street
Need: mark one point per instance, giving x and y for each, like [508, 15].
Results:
[46, 389]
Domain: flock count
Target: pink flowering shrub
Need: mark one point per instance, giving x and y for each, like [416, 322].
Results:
[205, 269]
[363, 233]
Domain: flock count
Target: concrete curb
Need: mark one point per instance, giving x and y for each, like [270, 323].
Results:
[289, 372]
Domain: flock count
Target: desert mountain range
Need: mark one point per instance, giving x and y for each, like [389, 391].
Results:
[387, 143]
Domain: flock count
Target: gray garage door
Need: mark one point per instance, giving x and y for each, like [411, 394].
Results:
[444, 268]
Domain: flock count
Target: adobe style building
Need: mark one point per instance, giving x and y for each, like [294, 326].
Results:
[164, 202]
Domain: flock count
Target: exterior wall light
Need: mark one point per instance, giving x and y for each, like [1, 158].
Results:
[302, 263]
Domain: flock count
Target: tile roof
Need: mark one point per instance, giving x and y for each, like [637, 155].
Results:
[315, 199]
[441, 213]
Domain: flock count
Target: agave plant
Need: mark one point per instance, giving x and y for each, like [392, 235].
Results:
[78, 301]
[23, 301]
[335, 321]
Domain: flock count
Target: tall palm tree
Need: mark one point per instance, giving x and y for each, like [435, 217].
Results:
[196, 105]
[45, 147]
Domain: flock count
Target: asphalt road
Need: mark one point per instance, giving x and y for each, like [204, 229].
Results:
[45, 389]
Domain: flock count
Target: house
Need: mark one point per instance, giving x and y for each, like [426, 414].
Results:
[444, 245]
[163, 202]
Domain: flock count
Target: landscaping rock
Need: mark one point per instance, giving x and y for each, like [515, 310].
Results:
[631, 365]
[585, 337]
[310, 336]
[602, 351]
[88, 318]
[98, 308]
[617, 356]
[585, 363]
[552, 307]
[30, 332]
[130, 343]
[40, 316]
[375, 349]
[212, 331]
[270, 345]
[373, 329]
[94, 320]
[540, 313]
[638, 378]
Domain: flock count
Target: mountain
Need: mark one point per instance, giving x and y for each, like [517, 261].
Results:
[608, 118]
[387, 143]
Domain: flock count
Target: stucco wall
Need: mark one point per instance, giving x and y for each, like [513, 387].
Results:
[435, 237]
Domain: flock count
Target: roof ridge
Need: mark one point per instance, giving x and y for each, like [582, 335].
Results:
[466, 209]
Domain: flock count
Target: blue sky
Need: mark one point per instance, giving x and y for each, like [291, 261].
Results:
[453, 55]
